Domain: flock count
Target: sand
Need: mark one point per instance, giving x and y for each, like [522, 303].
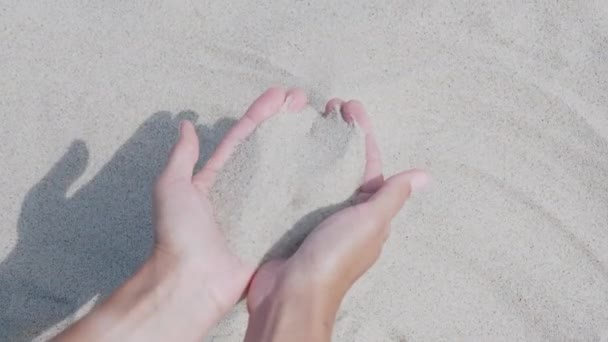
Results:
[505, 104]
[294, 171]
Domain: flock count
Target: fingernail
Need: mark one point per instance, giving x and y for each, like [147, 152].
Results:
[419, 180]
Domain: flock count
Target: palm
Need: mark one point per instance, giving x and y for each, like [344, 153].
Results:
[184, 221]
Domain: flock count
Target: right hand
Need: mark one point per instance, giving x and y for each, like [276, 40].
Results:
[346, 244]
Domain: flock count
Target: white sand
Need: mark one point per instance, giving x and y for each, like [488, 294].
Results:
[505, 103]
[295, 170]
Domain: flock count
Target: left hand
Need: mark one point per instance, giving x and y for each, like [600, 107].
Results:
[187, 235]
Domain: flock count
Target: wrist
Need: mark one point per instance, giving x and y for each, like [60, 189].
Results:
[175, 299]
[298, 310]
[162, 301]
[184, 284]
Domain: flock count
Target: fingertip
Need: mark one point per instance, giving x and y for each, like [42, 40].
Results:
[391, 197]
[414, 180]
[419, 179]
[333, 105]
[267, 104]
[346, 112]
[353, 111]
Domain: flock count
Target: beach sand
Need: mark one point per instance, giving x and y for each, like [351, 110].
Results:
[505, 104]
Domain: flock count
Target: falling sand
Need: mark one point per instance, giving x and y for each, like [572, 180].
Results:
[291, 173]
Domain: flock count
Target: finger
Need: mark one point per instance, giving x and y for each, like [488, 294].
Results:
[333, 105]
[184, 154]
[269, 103]
[390, 198]
[262, 108]
[296, 99]
[353, 111]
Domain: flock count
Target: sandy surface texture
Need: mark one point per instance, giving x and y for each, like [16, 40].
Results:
[505, 103]
[292, 173]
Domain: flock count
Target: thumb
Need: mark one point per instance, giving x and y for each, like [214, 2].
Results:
[391, 197]
[184, 154]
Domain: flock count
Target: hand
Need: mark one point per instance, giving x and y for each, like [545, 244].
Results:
[299, 297]
[186, 232]
[191, 279]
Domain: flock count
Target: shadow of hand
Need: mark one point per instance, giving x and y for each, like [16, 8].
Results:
[70, 249]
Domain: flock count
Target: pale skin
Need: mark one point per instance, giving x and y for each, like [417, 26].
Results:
[191, 279]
